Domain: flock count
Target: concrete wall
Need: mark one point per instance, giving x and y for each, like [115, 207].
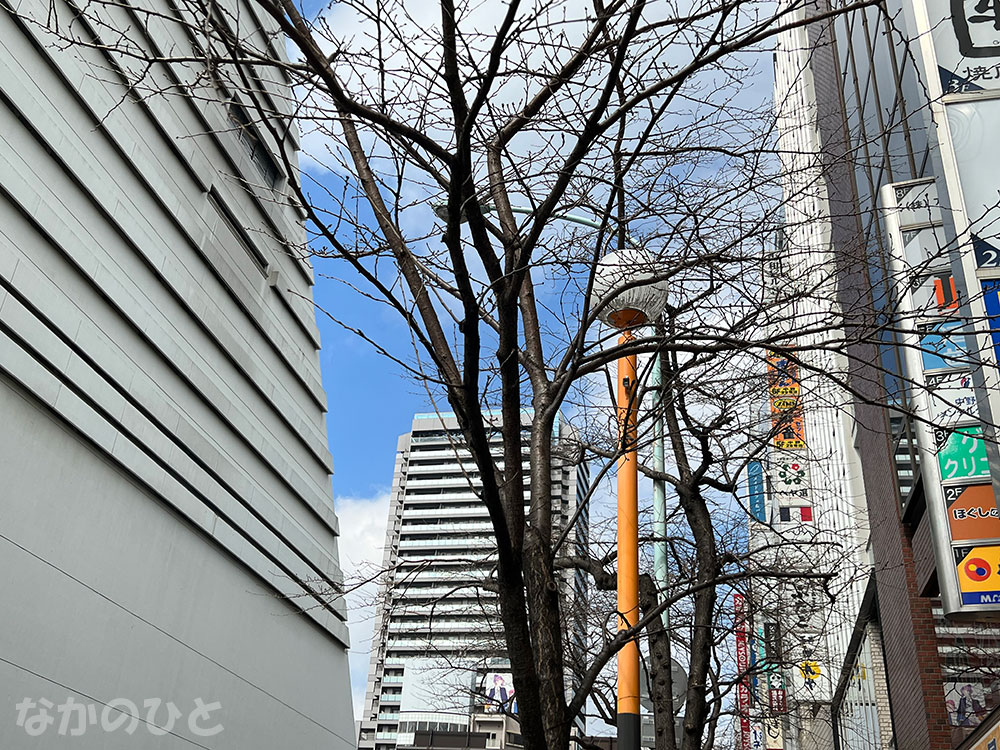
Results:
[165, 506]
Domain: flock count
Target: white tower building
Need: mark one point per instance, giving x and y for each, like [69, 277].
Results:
[438, 642]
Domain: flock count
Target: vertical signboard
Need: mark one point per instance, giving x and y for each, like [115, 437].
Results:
[742, 669]
[961, 508]
[755, 491]
[789, 478]
[770, 688]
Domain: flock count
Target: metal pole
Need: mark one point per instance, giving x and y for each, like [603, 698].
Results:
[628, 552]
[661, 574]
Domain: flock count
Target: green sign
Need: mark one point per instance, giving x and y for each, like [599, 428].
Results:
[962, 453]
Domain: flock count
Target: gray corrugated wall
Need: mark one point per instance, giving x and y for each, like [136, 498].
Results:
[165, 472]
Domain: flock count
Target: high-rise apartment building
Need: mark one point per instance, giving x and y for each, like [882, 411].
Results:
[438, 655]
[889, 115]
[167, 531]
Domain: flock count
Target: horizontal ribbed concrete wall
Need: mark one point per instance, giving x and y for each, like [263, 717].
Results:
[165, 506]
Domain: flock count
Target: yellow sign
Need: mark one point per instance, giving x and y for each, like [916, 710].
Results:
[978, 573]
[810, 670]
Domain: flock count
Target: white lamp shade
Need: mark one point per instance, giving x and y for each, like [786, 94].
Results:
[625, 280]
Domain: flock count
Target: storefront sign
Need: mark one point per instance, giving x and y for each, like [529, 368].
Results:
[966, 37]
[961, 453]
[972, 512]
[951, 398]
[978, 574]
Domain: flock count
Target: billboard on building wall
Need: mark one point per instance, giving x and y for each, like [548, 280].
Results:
[742, 669]
[788, 476]
[952, 398]
[782, 376]
[978, 570]
[498, 694]
[961, 453]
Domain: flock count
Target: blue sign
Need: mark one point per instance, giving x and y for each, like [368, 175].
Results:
[992, 302]
[755, 483]
[943, 347]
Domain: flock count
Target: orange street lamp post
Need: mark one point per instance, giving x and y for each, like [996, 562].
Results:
[624, 281]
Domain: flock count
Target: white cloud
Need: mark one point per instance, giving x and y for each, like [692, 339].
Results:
[362, 542]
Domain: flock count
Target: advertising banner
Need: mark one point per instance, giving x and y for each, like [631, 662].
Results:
[942, 347]
[935, 295]
[790, 431]
[787, 474]
[742, 667]
[498, 691]
[782, 376]
[774, 738]
[952, 399]
[755, 491]
[789, 478]
[991, 299]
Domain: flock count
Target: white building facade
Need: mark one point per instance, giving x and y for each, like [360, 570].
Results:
[438, 656]
[814, 517]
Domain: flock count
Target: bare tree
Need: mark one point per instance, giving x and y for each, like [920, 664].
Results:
[444, 147]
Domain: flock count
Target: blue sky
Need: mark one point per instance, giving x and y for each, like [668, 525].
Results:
[370, 403]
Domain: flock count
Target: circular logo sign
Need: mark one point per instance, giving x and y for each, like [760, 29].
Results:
[977, 569]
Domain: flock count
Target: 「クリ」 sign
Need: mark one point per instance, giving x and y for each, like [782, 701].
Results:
[961, 453]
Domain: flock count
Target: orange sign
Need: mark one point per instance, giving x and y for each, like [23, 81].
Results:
[972, 512]
[790, 431]
[782, 376]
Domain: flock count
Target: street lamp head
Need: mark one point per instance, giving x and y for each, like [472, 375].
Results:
[624, 280]
[440, 209]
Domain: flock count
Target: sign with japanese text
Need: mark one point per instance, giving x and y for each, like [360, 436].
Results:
[774, 738]
[782, 376]
[789, 477]
[972, 512]
[742, 668]
[790, 431]
[966, 37]
[916, 205]
[961, 453]
[951, 398]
